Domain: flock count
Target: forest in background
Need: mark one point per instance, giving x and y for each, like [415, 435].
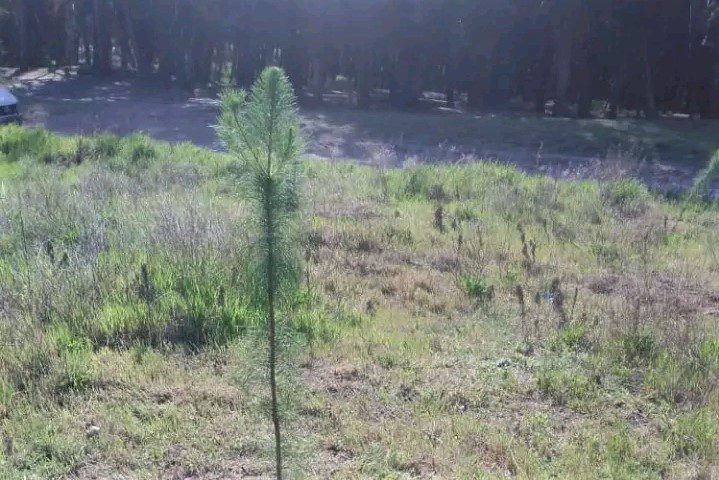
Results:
[645, 56]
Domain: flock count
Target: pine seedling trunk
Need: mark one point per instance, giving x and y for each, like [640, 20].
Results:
[270, 274]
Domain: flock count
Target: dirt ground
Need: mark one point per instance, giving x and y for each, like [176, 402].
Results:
[665, 155]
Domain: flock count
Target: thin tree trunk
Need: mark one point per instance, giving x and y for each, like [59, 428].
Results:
[129, 41]
[72, 35]
[269, 221]
[318, 78]
[650, 110]
[562, 69]
[363, 85]
[270, 239]
[615, 93]
[273, 382]
[476, 90]
[21, 23]
[584, 81]
[102, 41]
[240, 67]
[698, 25]
[449, 93]
[87, 50]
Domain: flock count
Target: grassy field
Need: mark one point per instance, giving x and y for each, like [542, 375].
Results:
[454, 322]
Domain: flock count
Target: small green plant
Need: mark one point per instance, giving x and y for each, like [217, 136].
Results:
[565, 386]
[477, 287]
[639, 346]
[118, 322]
[704, 178]
[76, 369]
[418, 184]
[138, 149]
[17, 142]
[605, 254]
[439, 218]
[677, 379]
[7, 391]
[529, 249]
[261, 128]
[315, 326]
[694, 433]
[465, 213]
[709, 353]
[570, 338]
[400, 236]
[628, 196]
[105, 146]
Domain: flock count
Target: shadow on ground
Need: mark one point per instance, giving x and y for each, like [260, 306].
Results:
[666, 153]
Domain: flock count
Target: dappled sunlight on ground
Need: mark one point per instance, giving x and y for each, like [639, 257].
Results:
[665, 154]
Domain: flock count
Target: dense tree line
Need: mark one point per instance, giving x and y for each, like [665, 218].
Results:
[643, 55]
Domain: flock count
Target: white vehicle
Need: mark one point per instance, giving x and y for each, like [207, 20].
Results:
[9, 112]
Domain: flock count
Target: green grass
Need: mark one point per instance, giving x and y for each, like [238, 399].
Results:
[130, 347]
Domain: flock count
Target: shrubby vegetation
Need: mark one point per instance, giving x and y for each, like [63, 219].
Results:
[547, 329]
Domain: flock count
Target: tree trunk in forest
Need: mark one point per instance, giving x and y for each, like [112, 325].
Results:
[72, 35]
[102, 40]
[128, 40]
[475, 95]
[583, 80]
[698, 20]
[476, 90]
[295, 66]
[584, 104]
[700, 62]
[20, 14]
[541, 73]
[650, 109]
[318, 80]
[204, 57]
[172, 64]
[243, 69]
[363, 86]
[404, 82]
[562, 69]
[584, 84]
[449, 95]
[190, 60]
[145, 52]
[87, 50]
[450, 81]
[615, 95]
[540, 100]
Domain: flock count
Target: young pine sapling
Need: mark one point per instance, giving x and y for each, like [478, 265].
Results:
[261, 128]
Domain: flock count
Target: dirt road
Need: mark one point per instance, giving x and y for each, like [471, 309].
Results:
[666, 155]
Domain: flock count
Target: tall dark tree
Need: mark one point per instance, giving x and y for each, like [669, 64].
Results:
[636, 55]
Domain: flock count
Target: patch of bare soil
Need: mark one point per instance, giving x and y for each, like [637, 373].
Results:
[230, 470]
[227, 470]
[334, 379]
[669, 294]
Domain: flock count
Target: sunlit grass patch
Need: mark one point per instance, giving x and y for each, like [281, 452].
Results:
[548, 329]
